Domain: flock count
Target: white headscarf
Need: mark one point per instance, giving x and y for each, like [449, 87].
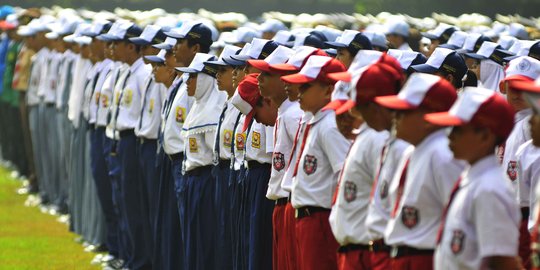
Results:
[209, 101]
[491, 74]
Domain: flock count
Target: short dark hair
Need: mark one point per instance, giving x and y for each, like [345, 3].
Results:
[205, 47]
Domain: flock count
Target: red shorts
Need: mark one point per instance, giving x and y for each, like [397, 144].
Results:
[316, 242]
[413, 262]
[354, 260]
[279, 237]
[290, 245]
[380, 260]
[525, 244]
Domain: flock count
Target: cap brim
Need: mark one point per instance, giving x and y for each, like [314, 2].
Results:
[443, 119]
[283, 68]
[174, 35]
[233, 62]
[430, 36]
[394, 103]
[334, 104]
[340, 76]
[423, 68]
[139, 41]
[296, 78]
[527, 86]
[260, 65]
[476, 56]
[216, 63]
[334, 44]
[449, 46]
[242, 58]
[163, 46]
[187, 70]
[348, 105]
[107, 38]
[510, 58]
[154, 59]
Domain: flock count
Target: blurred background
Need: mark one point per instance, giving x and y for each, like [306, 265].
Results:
[254, 8]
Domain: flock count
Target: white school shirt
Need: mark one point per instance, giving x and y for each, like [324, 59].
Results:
[38, 61]
[173, 120]
[482, 220]
[259, 143]
[382, 201]
[111, 130]
[65, 72]
[320, 162]
[349, 212]
[199, 150]
[528, 175]
[519, 135]
[130, 103]
[289, 115]
[431, 174]
[88, 90]
[53, 73]
[226, 131]
[287, 181]
[104, 89]
[46, 56]
[154, 94]
[76, 95]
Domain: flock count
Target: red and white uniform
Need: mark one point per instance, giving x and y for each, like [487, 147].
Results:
[482, 220]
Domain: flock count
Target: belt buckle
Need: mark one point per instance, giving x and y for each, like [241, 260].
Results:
[371, 248]
[393, 252]
[296, 213]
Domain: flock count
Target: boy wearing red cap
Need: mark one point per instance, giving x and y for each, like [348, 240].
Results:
[479, 228]
[349, 212]
[422, 190]
[319, 160]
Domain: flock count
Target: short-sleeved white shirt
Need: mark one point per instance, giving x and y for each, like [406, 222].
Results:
[53, 72]
[198, 150]
[349, 212]
[46, 56]
[520, 134]
[111, 130]
[287, 181]
[226, 131]
[528, 175]
[482, 220]
[38, 64]
[105, 86]
[383, 200]
[173, 120]
[150, 114]
[431, 174]
[259, 143]
[320, 162]
[289, 115]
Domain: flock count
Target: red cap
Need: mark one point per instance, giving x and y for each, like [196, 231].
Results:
[527, 86]
[298, 60]
[260, 65]
[316, 69]
[376, 80]
[480, 107]
[421, 90]
[248, 90]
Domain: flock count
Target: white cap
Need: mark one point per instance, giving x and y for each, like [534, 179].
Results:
[523, 66]
[416, 87]
[518, 30]
[397, 27]
[272, 25]
[314, 66]
[228, 50]
[149, 32]
[457, 39]
[376, 38]
[242, 35]
[507, 42]
[469, 102]
[300, 55]
[197, 64]
[279, 56]
[405, 58]
[525, 47]
[282, 37]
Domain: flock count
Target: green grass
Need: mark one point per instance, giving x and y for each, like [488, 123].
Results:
[32, 240]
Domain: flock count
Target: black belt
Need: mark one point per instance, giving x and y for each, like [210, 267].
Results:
[255, 164]
[176, 157]
[400, 251]
[92, 126]
[143, 140]
[224, 164]
[352, 247]
[525, 212]
[282, 201]
[308, 211]
[49, 105]
[98, 128]
[127, 132]
[378, 246]
[199, 170]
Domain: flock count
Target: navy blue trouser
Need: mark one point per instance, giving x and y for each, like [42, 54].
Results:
[168, 252]
[223, 243]
[198, 191]
[130, 192]
[100, 173]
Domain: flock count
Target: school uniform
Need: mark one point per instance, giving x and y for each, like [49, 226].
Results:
[482, 219]
[382, 200]
[425, 181]
[321, 157]
[289, 115]
[349, 211]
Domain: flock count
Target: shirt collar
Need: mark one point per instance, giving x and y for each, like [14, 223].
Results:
[320, 115]
[478, 168]
[522, 114]
[284, 106]
[429, 139]
[138, 63]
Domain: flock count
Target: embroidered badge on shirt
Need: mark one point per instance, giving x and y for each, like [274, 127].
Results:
[240, 141]
[410, 216]
[151, 106]
[349, 191]
[310, 164]
[180, 114]
[227, 138]
[511, 170]
[256, 140]
[458, 238]
[278, 160]
[193, 145]
[105, 101]
[127, 97]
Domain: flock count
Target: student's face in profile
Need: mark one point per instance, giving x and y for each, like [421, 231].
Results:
[224, 78]
[534, 122]
[238, 75]
[266, 114]
[408, 123]
[515, 98]
[345, 57]
[463, 140]
[313, 96]
[192, 84]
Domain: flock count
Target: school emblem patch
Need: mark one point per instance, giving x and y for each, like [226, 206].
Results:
[278, 160]
[193, 145]
[310, 164]
[127, 98]
[511, 170]
[256, 140]
[227, 138]
[349, 191]
[180, 114]
[240, 141]
[410, 216]
[151, 106]
[104, 100]
[456, 245]
[384, 190]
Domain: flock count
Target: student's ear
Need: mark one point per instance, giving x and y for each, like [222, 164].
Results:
[450, 78]
[328, 91]
[195, 48]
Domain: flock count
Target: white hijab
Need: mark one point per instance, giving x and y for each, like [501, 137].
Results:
[204, 115]
[491, 74]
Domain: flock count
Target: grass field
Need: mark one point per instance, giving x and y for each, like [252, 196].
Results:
[32, 240]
